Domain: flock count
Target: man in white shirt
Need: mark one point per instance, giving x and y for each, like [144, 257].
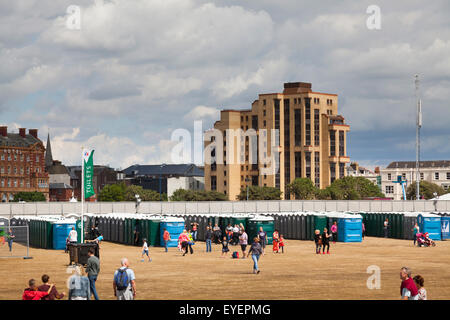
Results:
[73, 235]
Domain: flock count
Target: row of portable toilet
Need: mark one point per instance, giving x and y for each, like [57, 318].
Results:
[132, 229]
[302, 225]
[46, 232]
[401, 225]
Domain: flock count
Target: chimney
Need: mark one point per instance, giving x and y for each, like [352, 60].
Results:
[3, 131]
[22, 132]
[33, 132]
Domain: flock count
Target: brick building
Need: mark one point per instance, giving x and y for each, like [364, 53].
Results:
[22, 165]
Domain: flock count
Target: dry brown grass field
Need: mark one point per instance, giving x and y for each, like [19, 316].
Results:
[297, 274]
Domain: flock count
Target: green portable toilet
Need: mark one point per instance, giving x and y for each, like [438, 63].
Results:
[253, 225]
[309, 226]
[49, 235]
[320, 222]
[154, 230]
[238, 219]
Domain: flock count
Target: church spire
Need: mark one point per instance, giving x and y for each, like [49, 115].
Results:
[48, 154]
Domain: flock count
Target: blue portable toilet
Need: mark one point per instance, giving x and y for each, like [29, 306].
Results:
[430, 223]
[175, 226]
[349, 228]
[61, 230]
[445, 227]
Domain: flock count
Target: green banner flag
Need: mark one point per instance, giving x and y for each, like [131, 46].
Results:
[88, 159]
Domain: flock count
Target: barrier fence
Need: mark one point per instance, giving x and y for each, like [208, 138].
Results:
[9, 210]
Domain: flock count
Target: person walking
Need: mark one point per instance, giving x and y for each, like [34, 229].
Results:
[363, 230]
[317, 240]
[53, 294]
[124, 283]
[262, 236]
[32, 293]
[92, 270]
[275, 239]
[415, 230]
[419, 281]
[10, 238]
[208, 239]
[190, 242]
[326, 241]
[243, 241]
[408, 288]
[79, 286]
[166, 239]
[183, 241]
[256, 251]
[386, 228]
[145, 250]
[334, 231]
[194, 230]
[281, 243]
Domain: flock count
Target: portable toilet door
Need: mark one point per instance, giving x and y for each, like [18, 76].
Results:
[154, 231]
[175, 226]
[303, 227]
[350, 228]
[120, 230]
[320, 222]
[445, 227]
[430, 223]
[61, 230]
[254, 224]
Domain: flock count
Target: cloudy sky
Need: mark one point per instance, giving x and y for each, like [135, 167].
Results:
[137, 70]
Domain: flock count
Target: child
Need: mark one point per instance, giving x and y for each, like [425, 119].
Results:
[225, 247]
[326, 241]
[281, 243]
[275, 240]
[145, 251]
[318, 241]
[419, 280]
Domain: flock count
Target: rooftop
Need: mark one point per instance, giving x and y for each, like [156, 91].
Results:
[423, 164]
[185, 170]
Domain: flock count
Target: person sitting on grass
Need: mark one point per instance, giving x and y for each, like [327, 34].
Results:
[32, 293]
[225, 247]
[145, 251]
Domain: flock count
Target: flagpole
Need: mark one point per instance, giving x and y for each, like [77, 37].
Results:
[82, 195]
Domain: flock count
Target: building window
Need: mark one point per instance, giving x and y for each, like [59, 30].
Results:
[308, 164]
[332, 143]
[341, 143]
[421, 176]
[225, 173]
[317, 168]
[389, 177]
[264, 102]
[448, 175]
[436, 176]
[264, 113]
[255, 122]
[316, 127]
[264, 123]
[341, 170]
[308, 121]
[298, 126]
[390, 189]
[298, 164]
[213, 183]
[225, 182]
[332, 171]
[286, 123]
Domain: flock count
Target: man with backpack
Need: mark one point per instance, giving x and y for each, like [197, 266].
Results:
[124, 284]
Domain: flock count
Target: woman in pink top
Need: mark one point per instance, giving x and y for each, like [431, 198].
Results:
[334, 230]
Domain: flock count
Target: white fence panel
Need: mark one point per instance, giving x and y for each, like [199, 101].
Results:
[297, 205]
[354, 206]
[419, 205]
[308, 206]
[239, 207]
[191, 207]
[386, 206]
[285, 206]
[375, 206]
[262, 206]
[319, 206]
[202, 207]
[273, 206]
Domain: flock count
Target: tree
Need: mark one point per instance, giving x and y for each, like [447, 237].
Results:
[353, 188]
[29, 197]
[191, 195]
[113, 192]
[426, 190]
[303, 189]
[144, 194]
[259, 193]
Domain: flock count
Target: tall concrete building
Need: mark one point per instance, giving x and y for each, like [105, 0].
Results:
[299, 130]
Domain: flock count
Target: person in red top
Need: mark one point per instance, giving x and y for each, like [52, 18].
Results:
[166, 238]
[183, 239]
[275, 240]
[281, 243]
[32, 292]
[53, 294]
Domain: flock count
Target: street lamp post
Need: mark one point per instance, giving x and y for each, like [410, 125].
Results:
[247, 180]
